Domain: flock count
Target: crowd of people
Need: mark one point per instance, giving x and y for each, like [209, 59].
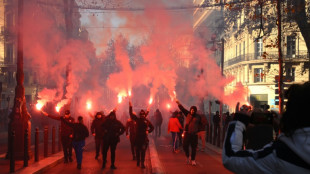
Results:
[256, 140]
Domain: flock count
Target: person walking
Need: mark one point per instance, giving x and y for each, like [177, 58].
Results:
[112, 129]
[96, 130]
[216, 124]
[289, 153]
[202, 127]
[80, 133]
[144, 127]
[158, 118]
[174, 127]
[180, 117]
[131, 135]
[66, 133]
[191, 129]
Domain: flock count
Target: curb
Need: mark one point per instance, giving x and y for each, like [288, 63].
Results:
[157, 167]
[42, 165]
[214, 148]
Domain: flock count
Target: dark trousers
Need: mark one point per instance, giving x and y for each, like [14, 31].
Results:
[180, 138]
[140, 152]
[78, 148]
[190, 140]
[216, 133]
[106, 145]
[157, 130]
[66, 142]
[132, 145]
[98, 142]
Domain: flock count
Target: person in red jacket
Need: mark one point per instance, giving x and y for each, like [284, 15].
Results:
[66, 133]
[174, 127]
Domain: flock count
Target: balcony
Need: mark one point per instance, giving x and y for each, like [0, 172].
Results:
[272, 55]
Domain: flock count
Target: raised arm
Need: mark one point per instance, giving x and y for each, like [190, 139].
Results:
[66, 122]
[51, 116]
[185, 111]
[132, 115]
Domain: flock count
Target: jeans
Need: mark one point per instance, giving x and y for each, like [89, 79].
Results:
[78, 148]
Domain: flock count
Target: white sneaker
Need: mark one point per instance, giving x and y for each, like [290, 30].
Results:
[188, 160]
[193, 163]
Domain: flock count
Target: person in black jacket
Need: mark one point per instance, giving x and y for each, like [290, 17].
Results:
[66, 133]
[144, 126]
[96, 130]
[190, 131]
[80, 132]
[112, 129]
[131, 134]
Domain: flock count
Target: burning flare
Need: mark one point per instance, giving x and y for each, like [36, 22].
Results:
[57, 108]
[120, 98]
[39, 106]
[168, 106]
[151, 101]
[88, 105]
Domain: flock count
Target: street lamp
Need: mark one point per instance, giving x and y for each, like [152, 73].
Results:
[19, 117]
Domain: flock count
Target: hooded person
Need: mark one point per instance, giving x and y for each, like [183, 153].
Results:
[96, 130]
[192, 122]
[143, 128]
[66, 133]
[80, 133]
[112, 129]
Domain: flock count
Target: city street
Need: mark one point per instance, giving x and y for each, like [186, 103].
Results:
[171, 163]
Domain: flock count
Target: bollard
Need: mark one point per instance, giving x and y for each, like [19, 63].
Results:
[45, 141]
[59, 139]
[53, 140]
[12, 157]
[36, 146]
[26, 155]
[211, 134]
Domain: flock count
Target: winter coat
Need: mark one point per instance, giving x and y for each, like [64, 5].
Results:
[96, 127]
[285, 155]
[80, 131]
[191, 122]
[112, 129]
[203, 123]
[143, 126]
[131, 127]
[66, 130]
[174, 125]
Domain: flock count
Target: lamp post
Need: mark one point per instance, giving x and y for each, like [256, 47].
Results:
[19, 117]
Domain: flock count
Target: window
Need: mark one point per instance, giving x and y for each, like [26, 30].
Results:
[9, 53]
[259, 75]
[259, 48]
[290, 74]
[291, 47]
